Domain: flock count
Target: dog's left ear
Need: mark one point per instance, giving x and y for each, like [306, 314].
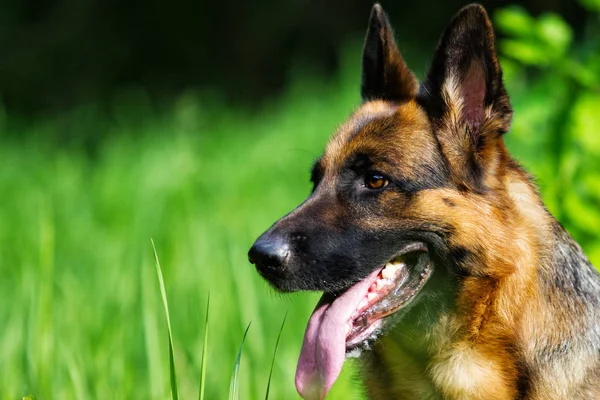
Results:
[385, 75]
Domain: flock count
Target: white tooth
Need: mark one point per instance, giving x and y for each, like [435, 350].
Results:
[363, 303]
[388, 272]
[391, 271]
[371, 296]
[348, 328]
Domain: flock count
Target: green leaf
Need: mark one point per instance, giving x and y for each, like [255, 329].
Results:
[583, 73]
[555, 33]
[585, 123]
[514, 21]
[583, 215]
[592, 5]
[163, 292]
[204, 351]
[274, 354]
[526, 52]
[591, 180]
[234, 386]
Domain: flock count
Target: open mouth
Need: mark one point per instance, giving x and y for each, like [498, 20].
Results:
[344, 323]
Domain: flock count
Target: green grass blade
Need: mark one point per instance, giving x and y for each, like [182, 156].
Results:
[163, 292]
[274, 354]
[204, 350]
[234, 386]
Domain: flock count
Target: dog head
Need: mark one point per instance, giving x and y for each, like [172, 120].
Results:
[410, 183]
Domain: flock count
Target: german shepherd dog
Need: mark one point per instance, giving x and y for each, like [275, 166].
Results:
[441, 268]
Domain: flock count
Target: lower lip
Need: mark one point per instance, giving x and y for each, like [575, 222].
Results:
[358, 336]
[353, 342]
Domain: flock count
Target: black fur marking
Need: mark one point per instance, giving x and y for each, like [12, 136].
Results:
[433, 175]
[475, 174]
[385, 76]
[411, 187]
[449, 202]
[523, 379]
[316, 173]
[459, 258]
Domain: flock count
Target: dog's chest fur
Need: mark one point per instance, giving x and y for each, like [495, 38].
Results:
[437, 364]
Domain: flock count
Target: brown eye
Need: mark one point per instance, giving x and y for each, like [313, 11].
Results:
[375, 181]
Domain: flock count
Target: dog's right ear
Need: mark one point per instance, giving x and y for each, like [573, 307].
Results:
[385, 75]
[465, 99]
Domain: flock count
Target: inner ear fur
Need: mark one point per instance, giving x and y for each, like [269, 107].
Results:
[385, 75]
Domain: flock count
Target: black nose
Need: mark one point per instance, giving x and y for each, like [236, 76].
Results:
[268, 253]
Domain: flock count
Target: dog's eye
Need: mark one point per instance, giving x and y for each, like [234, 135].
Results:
[374, 180]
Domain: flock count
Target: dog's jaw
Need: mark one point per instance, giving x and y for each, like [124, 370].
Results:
[343, 324]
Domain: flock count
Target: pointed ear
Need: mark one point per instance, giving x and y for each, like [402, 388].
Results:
[385, 75]
[464, 84]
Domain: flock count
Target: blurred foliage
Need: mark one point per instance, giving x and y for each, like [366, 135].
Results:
[554, 82]
[81, 310]
[56, 54]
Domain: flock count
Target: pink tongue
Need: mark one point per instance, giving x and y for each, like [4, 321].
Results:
[324, 347]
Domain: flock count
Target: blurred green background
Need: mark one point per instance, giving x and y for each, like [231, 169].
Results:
[195, 124]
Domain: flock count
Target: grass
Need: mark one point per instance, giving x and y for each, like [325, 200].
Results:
[163, 294]
[204, 353]
[234, 386]
[274, 357]
[81, 312]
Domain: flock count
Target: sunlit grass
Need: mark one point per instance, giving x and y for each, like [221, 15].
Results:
[163, 293]
[274, 357]
[204, 353]
[234, 385]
